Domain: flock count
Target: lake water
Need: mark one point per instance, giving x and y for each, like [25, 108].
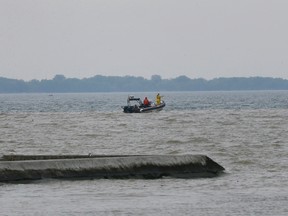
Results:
[245, 132]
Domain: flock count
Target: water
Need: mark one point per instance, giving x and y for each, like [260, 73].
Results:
[246, 132]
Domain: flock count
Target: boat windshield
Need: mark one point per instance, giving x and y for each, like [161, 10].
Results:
[132, 98]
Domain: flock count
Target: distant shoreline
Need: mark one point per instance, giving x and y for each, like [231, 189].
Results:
[99, 83]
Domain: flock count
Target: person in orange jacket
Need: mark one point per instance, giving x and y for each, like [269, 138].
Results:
[146, 102]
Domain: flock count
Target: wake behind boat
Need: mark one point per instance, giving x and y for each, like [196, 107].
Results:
[139, 107]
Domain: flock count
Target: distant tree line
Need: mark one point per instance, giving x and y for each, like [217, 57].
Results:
[101, 83]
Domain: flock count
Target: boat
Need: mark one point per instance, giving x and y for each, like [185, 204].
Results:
[139, 107]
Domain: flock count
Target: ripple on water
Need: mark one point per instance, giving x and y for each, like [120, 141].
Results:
[250, 143]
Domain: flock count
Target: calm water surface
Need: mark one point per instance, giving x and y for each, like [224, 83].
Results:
[246, 132]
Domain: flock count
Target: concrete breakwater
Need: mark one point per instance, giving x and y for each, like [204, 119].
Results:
[33, 167]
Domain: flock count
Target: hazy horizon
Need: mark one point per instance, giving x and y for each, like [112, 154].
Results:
[147, 78]
[198, 39]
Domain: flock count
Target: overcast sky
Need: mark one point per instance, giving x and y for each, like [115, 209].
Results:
[197, 38]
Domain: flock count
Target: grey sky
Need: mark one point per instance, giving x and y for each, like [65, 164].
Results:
[196, 38]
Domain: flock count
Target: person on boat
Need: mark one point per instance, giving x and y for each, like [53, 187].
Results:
[158, 99]
[146, 102]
